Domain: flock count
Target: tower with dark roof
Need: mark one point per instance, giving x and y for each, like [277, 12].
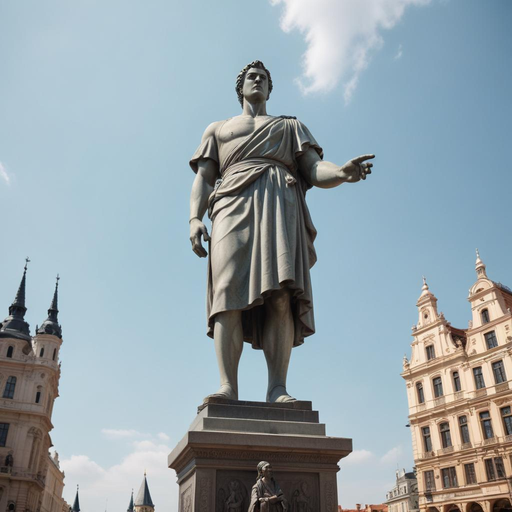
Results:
[130, 506]
[29, 384]
[76, 503]
[15, 326]
[143, 501]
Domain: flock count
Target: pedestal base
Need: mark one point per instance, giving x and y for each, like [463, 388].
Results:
[216, 461]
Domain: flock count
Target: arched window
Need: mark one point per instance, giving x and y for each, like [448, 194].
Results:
[419, 392]
[10, 351]
[54, 354]
[41, 354]
[446, 438]
[438, 386]
[485, 316]
[10, 386]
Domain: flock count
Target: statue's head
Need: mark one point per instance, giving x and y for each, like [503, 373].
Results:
[264, 469]
[240, 79]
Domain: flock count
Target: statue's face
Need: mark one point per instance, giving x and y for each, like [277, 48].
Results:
[267, 471]
[255, 89]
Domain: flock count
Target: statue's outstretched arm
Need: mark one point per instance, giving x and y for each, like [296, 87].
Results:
[323, 174]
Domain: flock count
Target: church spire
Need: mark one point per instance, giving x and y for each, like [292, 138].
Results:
[51, 324]
[130, 506]
[480, 266]
[14, 326]
[76, 504]
[143, 498]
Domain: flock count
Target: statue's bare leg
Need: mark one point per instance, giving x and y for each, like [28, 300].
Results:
[278, 334]
[228, 336]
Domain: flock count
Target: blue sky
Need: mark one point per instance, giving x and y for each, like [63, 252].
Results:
[101, 106]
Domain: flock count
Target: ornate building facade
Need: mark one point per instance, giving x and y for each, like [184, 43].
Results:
[30, 479]
[460, 402]
[404, 495]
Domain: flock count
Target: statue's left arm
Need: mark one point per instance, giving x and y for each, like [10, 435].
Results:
[320, 173]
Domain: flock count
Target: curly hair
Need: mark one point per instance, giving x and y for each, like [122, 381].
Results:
[241, 77]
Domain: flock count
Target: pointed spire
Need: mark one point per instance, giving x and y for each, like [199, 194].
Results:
[130, 506]
[143, 498]
[480, 266]
[76, 504]
[51, 324]
[14, 325]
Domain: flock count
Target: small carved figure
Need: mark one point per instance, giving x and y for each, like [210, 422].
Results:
[235, 499]
[266, 495]
[301, 498]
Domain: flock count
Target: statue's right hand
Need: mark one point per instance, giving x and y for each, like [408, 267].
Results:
[198, 229]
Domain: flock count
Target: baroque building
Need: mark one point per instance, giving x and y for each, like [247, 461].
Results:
[460, 402]
[30, 479]
[404, 495]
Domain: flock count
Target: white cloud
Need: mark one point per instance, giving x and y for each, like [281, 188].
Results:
[99, 483]
[4, 174]
[163, 437]
[357, 457]
[113, 433]
[399, 52]
[392, 456]
[340, 36]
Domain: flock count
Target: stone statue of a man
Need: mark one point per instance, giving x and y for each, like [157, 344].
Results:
[252, 174]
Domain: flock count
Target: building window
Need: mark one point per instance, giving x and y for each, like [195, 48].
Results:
[427, 440]
[469, 473]
[10, 386]
[449, 477]
[430, 483]
[446, 438]
[485, 419]
[490, 339]
[464, 429]
[479, 378]
[456, 381]
[485, 316]
[431, 353]
[4, 429]
[438, 387]
[54, 354]
[41, 353]
[494, 468]
[38, 397]
[419, 393]
[506, 414]
[10, 351]
[499, 372]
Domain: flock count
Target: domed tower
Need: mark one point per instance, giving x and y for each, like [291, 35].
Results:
[14, 328]
[28, 387]
[143, 501]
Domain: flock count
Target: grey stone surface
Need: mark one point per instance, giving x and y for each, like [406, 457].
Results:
[208, 461]
[252, 173]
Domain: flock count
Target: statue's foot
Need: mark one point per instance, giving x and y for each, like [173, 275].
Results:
[225, 391]
[279, 395]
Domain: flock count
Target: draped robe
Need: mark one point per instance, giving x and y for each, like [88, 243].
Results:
[262, 490]
[262, 234]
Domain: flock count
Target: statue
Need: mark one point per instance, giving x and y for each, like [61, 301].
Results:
[252, 174]
[266, 495]
[235, 499]
[9, 460]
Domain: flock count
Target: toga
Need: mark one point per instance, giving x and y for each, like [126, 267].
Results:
[262, 234]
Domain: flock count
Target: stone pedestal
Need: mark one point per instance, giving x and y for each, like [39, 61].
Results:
[218, 456]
